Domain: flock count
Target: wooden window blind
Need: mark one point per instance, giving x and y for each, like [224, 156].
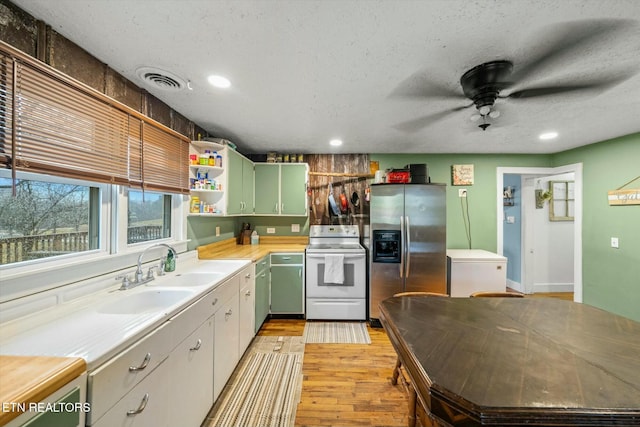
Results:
[51, 124]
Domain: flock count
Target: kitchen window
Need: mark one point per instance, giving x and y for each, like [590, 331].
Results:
[148, 216]
[47, 218]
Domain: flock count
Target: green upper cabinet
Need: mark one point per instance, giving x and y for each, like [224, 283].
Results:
[240, 185]
[267, 189]
[281, 189]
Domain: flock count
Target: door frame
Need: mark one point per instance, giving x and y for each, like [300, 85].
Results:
[576, 169]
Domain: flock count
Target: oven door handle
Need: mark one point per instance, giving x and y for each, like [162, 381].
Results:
[346, 256]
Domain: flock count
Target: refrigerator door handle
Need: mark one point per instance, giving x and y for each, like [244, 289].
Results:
[408, 245]
[402, 237]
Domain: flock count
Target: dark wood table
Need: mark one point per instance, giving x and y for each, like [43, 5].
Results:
[516, 361]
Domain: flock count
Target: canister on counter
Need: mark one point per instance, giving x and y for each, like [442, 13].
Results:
[271, 157]
[300, 158]
[285, 158]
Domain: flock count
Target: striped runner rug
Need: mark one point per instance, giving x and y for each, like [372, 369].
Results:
[265, 393]
[336, 333]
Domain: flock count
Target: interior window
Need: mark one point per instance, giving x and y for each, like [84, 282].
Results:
[46, 219]
[148, 216]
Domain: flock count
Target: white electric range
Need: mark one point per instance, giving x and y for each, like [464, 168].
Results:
[336, 269]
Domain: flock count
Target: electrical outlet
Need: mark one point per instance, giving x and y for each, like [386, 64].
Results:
[614, 242]
[462, 192]
[295, 228]
[271, 230]
[217, 230]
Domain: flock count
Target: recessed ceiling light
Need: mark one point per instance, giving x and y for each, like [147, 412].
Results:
[335, 142]
[219, 81]
[548, 135]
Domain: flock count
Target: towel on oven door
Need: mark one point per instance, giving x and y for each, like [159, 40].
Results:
[334, 268]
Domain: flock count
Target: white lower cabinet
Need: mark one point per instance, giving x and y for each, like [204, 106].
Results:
[114, 379]
[226, 343]
[191, 378]
[172, 376]
[247, 308]
[146, 405]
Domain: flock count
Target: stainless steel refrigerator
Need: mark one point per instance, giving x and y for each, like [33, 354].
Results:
[407, 241]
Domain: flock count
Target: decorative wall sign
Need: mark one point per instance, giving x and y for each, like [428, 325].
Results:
[620, 197]
[462, 174]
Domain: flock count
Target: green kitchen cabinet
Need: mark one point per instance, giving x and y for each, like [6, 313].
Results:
[71, 403]
[267, 179]
[281, 189]
[287, 283]
[263, 291]
[239, 184]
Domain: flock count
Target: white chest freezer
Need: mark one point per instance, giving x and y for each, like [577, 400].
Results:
[473, 270]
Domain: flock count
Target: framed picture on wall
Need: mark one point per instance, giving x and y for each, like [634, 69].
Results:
[462, 175]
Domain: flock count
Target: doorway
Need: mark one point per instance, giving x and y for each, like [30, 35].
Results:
[529, 256]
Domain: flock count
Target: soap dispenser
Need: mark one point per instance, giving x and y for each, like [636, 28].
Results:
[170, 262]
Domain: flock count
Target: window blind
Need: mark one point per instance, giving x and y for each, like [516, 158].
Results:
[53, 125]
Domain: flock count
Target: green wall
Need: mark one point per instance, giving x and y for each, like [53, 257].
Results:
[611, 277]
[481, 196]
[201, 230]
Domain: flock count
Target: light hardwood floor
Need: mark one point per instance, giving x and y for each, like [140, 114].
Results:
[346, 384]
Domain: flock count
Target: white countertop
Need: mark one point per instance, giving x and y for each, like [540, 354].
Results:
[81, 328]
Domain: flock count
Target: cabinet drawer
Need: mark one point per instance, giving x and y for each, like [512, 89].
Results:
[287, 258]
[114, 379]
[185, 322]
[149, 399]
[225, 291]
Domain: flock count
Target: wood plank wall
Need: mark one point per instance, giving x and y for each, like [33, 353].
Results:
[347, 174]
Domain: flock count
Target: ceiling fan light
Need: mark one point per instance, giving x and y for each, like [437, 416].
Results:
[484, 110]
[548, 135]
[475, 117]
[494, 114]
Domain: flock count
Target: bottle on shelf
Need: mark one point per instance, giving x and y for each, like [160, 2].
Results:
[218, 160]
[204, 158]
[212, 159]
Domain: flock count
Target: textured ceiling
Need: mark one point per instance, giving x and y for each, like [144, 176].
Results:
[306, 71]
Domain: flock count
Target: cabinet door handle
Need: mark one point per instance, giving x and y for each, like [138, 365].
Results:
[248, 293]
[143, 404]
[145, 362]
[286, 258]
[248, 276]
[197, 346]
[275, 208]
[264, 275]
[300, 273]
[228, 313]
[282, 208]
[215, 301]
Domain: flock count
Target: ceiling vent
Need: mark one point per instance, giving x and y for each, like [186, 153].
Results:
[161, 79]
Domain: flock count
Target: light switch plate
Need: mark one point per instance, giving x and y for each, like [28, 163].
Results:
[217, 230]
[462, 192]
[295, 228]
[614, 242]
[271, 230]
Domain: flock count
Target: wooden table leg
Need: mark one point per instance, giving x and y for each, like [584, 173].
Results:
[396, 372]
[412, 406]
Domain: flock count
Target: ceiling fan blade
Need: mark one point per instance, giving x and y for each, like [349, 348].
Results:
[414, 125]
[421, 85]
[570, 37]
[599, 84]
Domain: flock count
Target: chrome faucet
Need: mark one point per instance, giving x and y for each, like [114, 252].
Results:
[139, 278]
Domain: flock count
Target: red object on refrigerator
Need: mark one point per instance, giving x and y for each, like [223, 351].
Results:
[398, 177]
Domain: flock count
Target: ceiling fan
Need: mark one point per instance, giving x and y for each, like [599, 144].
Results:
[498, 79]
